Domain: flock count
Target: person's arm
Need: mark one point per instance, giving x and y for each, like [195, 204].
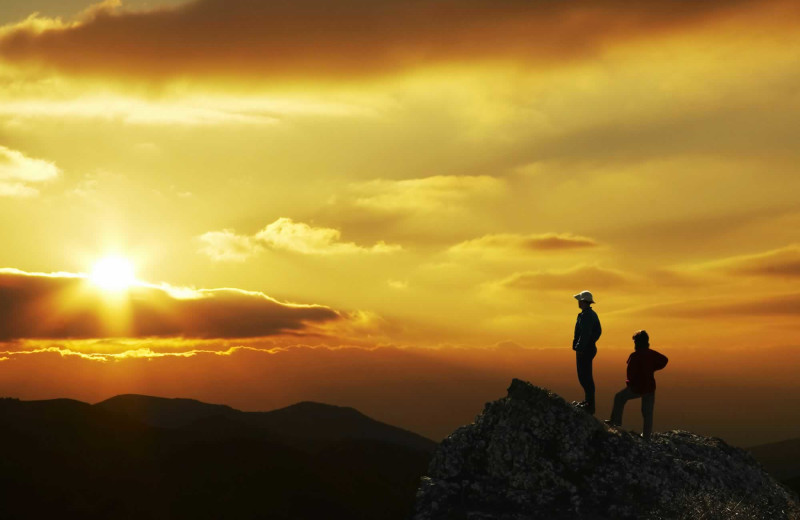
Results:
[577, 336]
[660, 360]
[630, 371]
[598, 329]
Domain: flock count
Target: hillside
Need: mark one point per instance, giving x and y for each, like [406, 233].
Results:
[142, 457]
[532, 455]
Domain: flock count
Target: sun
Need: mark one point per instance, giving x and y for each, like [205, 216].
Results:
[113, 273]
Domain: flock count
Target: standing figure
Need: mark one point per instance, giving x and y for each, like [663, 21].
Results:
[587, 332]
[641, 382]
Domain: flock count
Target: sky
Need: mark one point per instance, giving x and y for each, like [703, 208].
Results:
[389, 204]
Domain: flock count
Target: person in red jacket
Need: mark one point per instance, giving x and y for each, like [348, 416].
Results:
[641, 382]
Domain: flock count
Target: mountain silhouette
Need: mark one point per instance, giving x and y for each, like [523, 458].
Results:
[143, 457]
[782, 460]
[162, 411]
[305, 424]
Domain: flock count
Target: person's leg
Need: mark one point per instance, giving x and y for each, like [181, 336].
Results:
[622, 397]
[585, 378]
[580, 364]
[648, 403]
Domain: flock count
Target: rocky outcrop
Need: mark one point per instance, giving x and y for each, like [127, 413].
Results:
[532, 455]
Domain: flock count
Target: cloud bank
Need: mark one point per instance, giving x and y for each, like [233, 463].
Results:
[339, 39]
[431, 391]
[62, 305]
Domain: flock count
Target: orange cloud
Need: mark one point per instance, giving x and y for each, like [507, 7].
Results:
[69, 306]
[782, 263]
[344, 38]
[514, 243]
[577, 277]
[786, 305]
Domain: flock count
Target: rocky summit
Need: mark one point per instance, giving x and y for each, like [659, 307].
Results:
[532, 455]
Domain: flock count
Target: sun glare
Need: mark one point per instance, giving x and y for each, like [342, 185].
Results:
[113, 273]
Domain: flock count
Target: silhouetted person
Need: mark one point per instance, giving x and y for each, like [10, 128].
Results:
[641, 382]
[587, 332]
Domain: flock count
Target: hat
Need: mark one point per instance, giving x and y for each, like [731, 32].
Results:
[584, 296]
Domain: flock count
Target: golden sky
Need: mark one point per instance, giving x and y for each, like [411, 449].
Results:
[429, 176]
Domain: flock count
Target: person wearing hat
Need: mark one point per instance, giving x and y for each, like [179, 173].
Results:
[587, 332]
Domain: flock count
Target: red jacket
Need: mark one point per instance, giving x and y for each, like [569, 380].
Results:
[641, 367]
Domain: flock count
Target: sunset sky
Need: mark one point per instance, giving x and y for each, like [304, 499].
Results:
[389, 204]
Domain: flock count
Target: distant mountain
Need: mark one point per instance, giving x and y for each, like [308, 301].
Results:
[782, 460]
[164, 412]
[303, 424]
[143, 457]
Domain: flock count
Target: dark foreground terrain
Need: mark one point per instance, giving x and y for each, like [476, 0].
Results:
[137, 457]
[532, 455]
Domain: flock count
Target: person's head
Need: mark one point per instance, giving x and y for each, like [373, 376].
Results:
[585, 299]
[641, 340]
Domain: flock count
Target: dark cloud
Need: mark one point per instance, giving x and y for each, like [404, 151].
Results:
[68, 306]
[342, 38]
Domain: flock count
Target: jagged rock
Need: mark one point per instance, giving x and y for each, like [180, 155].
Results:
[531, 455]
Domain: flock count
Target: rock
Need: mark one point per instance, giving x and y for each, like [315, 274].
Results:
[531, 455]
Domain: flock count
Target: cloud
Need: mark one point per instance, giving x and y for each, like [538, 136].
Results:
[64, 305]
[780, 305]
[227, 246]
[32, 97]
[509, 243]
[285, 235]
[779, 263]
[188, 110]
[344, 38]
[400, 285]
[575, 278]
[440, 192]
[18, 172]
[302, 238]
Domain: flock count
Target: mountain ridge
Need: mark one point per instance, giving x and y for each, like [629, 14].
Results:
[781, 459]
[299, 424]
[73, 459]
